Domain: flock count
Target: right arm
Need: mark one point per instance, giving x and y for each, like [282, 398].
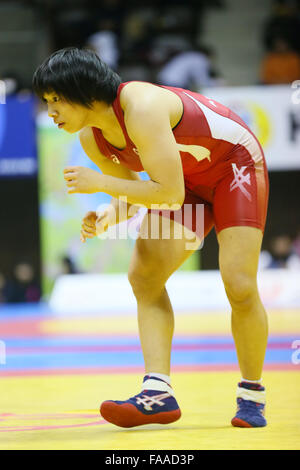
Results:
[107, 167]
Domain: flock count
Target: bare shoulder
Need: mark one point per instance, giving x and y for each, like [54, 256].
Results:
[144, 96]
[138, 92]
[150, 104]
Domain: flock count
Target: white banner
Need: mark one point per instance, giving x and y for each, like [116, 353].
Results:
[273, 114]
[196, 291]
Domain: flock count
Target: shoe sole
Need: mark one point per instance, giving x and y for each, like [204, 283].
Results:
[127, 415]
[240, 423]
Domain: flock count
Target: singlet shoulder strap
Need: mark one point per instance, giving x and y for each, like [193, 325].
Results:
[99, 140]
[119, 111]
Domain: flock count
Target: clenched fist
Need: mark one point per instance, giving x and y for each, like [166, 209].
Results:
[88, 226]
[94, 224]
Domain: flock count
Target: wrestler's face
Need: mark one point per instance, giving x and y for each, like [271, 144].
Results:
[68, 116]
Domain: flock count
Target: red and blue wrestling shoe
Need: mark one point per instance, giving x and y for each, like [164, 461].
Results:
[148, 407]
[250, 414]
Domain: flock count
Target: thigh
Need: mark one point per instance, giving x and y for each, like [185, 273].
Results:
[241, 197]
[161, 247]
[240, 209]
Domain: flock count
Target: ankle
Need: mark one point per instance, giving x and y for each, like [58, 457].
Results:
[159, 382]
[164, 377]
[259, 381]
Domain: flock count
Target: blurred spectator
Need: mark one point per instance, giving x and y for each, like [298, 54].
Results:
[172, 33]
[68, 265]
[22, 287]
[280, 255]
[12, 82]
[192, 69]
[138, 29]
[284, 22]
[281, 65]
[105, 43]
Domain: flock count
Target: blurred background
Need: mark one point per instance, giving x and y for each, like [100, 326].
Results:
[243, 53]
[68, 329]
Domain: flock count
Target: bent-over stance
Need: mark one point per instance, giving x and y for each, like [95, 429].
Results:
[195, 151]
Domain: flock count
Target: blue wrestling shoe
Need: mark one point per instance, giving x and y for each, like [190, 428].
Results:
[250, 413]
[148, 407]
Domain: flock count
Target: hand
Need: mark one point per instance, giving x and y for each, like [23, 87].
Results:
[88, 227]
[103, 222]
[82, 180]
[95, 224]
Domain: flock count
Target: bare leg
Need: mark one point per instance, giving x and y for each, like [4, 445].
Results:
[152, 264]
[238, 258]
[156, 327]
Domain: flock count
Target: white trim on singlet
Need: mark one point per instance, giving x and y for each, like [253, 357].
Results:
[224, 128]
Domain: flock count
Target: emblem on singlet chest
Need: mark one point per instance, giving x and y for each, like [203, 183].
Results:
[115, 159]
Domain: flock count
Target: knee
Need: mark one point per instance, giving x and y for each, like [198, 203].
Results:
[147, 284]
[241, 289]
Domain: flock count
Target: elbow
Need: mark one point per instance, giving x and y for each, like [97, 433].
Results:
[170, 199]
[176, 200]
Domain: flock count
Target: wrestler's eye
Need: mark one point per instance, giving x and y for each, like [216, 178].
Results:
[54, 99]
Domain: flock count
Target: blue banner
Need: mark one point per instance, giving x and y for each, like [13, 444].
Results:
[18, 154]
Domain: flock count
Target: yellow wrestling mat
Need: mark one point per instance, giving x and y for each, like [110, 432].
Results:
[45, 404]
[55, 413]
[187, 323]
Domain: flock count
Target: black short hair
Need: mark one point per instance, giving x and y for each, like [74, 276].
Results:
[78, 75]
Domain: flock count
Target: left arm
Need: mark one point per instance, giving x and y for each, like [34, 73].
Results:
[149, 128]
